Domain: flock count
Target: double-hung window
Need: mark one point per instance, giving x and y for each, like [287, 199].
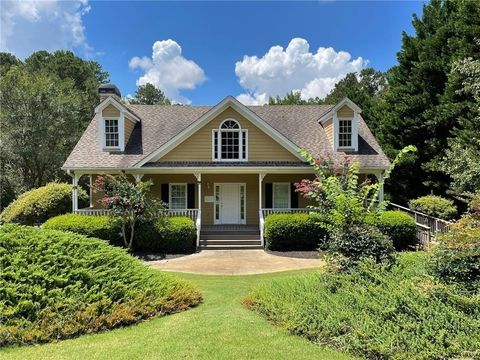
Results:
[281, 195]
[345, 133]
[229, 142]
[112, 139]
[178, 196]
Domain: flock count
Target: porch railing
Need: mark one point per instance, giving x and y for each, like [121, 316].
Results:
[198, 225]
[91, 211]
[190, 213]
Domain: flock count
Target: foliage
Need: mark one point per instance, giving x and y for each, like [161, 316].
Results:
[375, 311]
[173, 235]
[287, 232]
[102, 227]
[456, 259]
[422, 106]
[462, 159]
[434, 206]
[148, 94]
[46, 102]
[337, 193]
[398, 226]
[38, 205]
[129, 202]
[56, 285]
[348, 246]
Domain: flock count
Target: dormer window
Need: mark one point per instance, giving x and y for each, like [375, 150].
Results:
[345, 133]
[112, 139]
[229, 142]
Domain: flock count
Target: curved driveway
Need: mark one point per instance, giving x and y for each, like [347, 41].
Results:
[233, 262]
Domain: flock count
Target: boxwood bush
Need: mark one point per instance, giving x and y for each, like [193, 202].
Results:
[350, 245]
[102, 227]
[398, 226]
[38, 205]
[57, 285]
[301, 232]
[375, 311]
[174, 235]
[436, 206]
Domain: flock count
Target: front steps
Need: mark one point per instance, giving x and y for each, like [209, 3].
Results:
[230, 237]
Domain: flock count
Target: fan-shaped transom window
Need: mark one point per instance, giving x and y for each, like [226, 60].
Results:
[229, 142]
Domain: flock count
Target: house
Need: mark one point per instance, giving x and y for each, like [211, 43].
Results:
[226, 166]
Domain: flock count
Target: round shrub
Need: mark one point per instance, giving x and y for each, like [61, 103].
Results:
[456, 259]
[434, 206]
[57, 285]
[351, 244]
[398, 226]
[38, 205]
[102, 227]
[290, 232]
[173, 235]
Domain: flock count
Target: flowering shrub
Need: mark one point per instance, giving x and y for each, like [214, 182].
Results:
[129, 202]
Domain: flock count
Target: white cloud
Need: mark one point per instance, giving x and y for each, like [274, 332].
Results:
[295, 68]
[168, 70]
[28, 26]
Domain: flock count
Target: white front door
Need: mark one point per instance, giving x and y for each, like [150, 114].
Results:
[230, 203]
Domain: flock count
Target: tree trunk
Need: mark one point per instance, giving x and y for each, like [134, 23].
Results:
[132, 234]
[124, 235]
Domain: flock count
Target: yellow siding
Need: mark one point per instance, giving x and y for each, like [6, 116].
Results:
[329, 130]
[198, 147]
[111, 111]
[129, 125]
[345, 111]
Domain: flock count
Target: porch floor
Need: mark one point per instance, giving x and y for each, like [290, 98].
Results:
[228, 227]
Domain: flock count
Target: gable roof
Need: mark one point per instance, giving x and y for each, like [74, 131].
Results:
[346, 101]
[299, 124]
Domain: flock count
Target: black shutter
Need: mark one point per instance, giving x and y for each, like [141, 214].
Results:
[190, 196]
[293, 197]
[164, 191]
[268, 195]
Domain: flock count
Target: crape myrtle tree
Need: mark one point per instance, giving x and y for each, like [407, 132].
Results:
[129, 201]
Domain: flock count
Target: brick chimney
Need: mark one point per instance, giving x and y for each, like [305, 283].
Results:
[106, 90]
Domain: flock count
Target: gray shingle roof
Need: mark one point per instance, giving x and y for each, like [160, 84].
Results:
[298, 123]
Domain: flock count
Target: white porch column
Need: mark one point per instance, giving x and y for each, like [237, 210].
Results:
[75, 178]
[199, 187]
[261, 176]
[380, 194]
[91, 191]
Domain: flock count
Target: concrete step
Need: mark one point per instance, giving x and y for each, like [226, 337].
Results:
[229, 247]
[231, 242]
[237, 236]
[229, 232]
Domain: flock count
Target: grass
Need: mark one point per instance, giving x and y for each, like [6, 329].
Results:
[219, 328]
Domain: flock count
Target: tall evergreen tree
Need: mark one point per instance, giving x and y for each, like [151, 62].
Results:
[422, 107]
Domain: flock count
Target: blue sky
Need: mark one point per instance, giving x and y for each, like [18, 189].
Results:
[210, 38]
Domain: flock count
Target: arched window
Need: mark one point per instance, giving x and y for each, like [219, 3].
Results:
[229, 142]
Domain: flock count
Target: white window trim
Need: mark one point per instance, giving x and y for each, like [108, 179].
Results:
[288, 191]
[219, 142]
[170, 195]
[121, 132]
[336, 132]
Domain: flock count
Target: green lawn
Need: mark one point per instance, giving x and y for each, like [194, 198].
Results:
[220, 328]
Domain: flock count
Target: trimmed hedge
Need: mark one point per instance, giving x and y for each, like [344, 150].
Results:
[38, 205]
[399, 226]
[301, 232]
[375, 311]
[173, 235]
[102, 227]
[436, 206]
[58, 285]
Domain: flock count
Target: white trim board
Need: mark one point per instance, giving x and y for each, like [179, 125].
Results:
[210, 115]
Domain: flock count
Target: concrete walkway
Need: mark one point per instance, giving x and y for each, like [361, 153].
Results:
[233, 262]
